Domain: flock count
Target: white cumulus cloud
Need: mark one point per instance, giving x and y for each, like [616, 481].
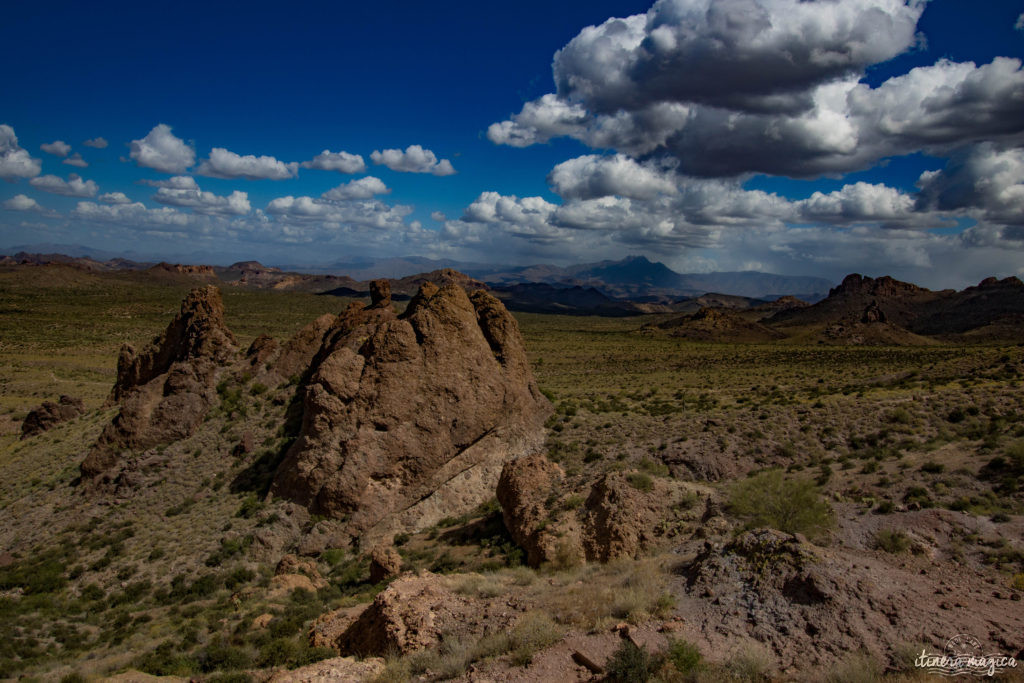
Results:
[223, 163]
[235, 204]
[178, 182]
[730, 87]
[57, 148]
[96, 143]
[363, 188]
[77, 161]
[415, 159]
[15, 162]
[114, 198]
[982, 178]
[592, 176]
[343, 162]
[74, 186]
[162, 151]
[20, 202]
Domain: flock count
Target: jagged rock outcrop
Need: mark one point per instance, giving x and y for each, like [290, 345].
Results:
[50, 414]
[409, 419]
[166, 390]
[262, 349]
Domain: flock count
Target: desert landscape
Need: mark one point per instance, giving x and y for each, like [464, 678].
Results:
[204, 477]
[625, 341]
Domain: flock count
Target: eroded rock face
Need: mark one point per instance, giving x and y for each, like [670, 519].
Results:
[50, 414]
[166, 390]
[409, 419]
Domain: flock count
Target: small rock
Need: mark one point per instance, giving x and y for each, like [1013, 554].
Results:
[263, 620]
[385, 564]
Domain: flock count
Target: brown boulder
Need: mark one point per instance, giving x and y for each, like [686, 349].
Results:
[408, 419]
[166, 391]
[621, 519]
[873, 313]
[410, 614]
[385, 564]
[524, 488]
[292, 564]
[50, 414]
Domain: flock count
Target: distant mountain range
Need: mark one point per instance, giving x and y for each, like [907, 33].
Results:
[715, 306]
[634, 278]
[638, 278]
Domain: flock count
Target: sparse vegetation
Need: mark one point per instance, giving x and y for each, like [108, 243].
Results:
[793, 505]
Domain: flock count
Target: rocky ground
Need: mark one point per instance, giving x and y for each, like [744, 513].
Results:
[669, 511]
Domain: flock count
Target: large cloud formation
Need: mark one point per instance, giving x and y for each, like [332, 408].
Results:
[696, 97]
[730, 87]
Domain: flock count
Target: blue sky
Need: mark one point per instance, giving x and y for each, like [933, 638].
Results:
[879, 136]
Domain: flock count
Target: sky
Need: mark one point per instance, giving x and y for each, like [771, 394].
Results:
[801, 137]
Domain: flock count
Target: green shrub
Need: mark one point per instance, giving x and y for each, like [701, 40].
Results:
[167, 660]
[684, 656]
[791, 505]
[631, 664]
[640, 481]
[534, 632]
[892, 541]
[219, 655]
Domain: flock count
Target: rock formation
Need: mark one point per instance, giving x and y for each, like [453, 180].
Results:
[410, 614]
[50, 414]
[617, 519]
[166, 390]
[409, 419]
[523, 490]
